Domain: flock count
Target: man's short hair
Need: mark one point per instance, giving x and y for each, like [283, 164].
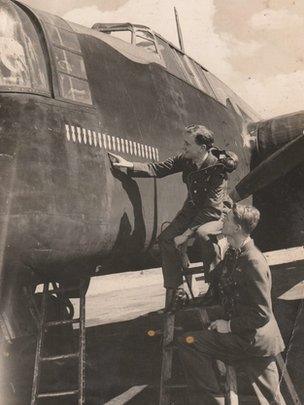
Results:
[246, 216]
[202, 135]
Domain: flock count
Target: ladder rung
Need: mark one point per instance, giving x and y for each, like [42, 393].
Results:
[62, 290]
[65, 322]
[193, 271]
[79, 355]
[61, 357]
[57, 394]
[176, 386]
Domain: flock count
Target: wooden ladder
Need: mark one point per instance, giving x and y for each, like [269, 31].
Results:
[231, 392]
[166, 388]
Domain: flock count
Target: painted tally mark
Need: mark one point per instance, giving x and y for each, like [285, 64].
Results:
[84, 136]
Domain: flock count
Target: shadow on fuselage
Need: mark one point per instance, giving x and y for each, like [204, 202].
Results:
[129, 242]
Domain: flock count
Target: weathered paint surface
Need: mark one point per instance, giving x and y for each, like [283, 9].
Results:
[63, 210]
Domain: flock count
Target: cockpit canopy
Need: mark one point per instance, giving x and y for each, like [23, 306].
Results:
[135, 34]
[40, 53]
[175, 61]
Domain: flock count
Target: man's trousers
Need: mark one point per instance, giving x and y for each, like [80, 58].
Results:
[198, 351]
[171, 257]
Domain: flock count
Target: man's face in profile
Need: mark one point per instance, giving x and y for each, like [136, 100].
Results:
[227, 207]
[230, 227]
[191, 150]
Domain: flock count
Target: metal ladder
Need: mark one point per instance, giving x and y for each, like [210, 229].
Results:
[40, 359]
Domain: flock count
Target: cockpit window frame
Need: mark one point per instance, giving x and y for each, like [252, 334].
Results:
[44, 49]
[117, 29]
[188, 73]
[152, 40]
[133, 28]
[43, 18]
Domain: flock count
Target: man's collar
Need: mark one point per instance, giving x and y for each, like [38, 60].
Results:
[246, 244]
[204, 160]
[247, 240]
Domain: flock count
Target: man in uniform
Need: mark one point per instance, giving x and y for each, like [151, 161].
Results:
[206, 178]
[212, 243]
[242, 328]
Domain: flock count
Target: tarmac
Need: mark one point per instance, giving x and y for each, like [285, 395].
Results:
[123, 362]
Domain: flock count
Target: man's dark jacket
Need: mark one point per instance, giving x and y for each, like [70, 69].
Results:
[251, 317]
[207, 186]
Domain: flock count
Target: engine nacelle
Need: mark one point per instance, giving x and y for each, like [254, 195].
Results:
[281, 202]
[272, 134]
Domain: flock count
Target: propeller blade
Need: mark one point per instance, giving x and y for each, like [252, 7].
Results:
[272, 168]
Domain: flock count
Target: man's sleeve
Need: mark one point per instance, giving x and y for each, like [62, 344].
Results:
[215, 312]
[157, 169]
[257, 312]
[211, 201]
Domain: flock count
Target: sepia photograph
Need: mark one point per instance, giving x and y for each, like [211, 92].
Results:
[151, 202]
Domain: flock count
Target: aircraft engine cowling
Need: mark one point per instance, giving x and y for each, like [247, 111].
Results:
[276, 180]
[272, 134]
[277, 148]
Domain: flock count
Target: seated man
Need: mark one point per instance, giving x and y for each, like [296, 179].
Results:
[212, 242]
[206, 178]
[242, 328]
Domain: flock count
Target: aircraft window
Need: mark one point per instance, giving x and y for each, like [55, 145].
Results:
[22, 64]
[191, 71]
[218, 87]
[70, 63]
[203, 80]
[180, 61]
[123, 35]
[169, 58]
[53, 20]
[227, 96]
[74, 89]
[186, 69]
[145, 35]
[72, 76]
[146, 40]
[64, 38]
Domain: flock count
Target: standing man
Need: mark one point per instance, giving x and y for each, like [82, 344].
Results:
[242, 327]
[206, 178]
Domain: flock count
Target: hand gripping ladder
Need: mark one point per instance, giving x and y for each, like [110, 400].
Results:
[40, 359]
